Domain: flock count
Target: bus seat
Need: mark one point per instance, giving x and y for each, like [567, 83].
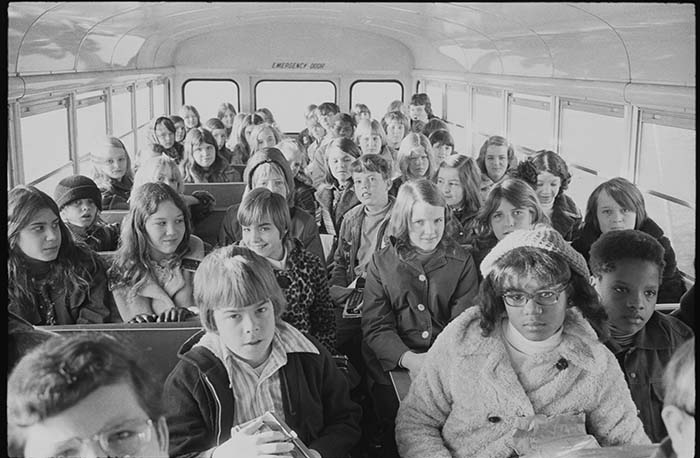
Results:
[208, 228]
[158, 342]
[239, 167]
[226, 194]
[113, 216]
[667, 308]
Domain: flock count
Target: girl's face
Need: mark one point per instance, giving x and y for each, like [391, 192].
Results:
[342, 129]
[395, 131]
[370, 144]
[448, 183]
[317, 131]
[496, 161]
[418, 162]
[165, 228]
[204, 155]
[426, 225]
[535, 321]
[247, 131]
[164, 136]
[629, 293]
[363, 115]
[247, 331]
[191, 119]
[264, 238]
[508, 218]
[267, 177]
[339, 163]
[612, 216]
[219, 136]
[113, 163]
[166, 176]
[80, 212]
[228, 118]
[41, 238]
[180, 131]
[418, 113]
[548, 186]
[325, 120]
[442, 151]
[266, 139]
[371, 189]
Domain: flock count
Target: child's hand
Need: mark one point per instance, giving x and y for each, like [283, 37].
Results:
[175, 314]
[144, 318]
[247, 442]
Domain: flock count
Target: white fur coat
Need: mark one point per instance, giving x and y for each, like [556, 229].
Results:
[468, 400]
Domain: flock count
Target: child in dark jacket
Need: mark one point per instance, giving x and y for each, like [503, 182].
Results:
[80, 202]
[112, 173]
[248, 361]
[626, 267]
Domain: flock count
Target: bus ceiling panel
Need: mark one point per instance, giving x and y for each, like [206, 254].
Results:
[21, 17]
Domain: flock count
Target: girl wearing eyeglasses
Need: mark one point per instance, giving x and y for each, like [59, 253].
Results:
[529, 354]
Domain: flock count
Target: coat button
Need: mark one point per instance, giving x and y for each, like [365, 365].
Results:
[421, 277]
[633, 375]
[425, 334]
[421, 307]
[494, 419]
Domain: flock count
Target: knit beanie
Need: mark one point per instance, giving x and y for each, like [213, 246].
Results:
[77, 187]
[541, 236]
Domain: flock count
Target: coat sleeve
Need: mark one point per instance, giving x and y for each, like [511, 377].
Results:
[466, 290]
[98, 306]
[341, 415]
[190, 436]
[424, 411]
[130, 307]
[672, 286]
[312, 240]
[379, 327]
[340, 263]
[229, 232]
[613, 420]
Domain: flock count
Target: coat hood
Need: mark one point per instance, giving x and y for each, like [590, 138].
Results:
[269, 155]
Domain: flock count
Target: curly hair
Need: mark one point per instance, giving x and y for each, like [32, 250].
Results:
[549, 161]
[615, 246]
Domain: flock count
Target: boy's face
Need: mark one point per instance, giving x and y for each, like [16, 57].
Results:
[370, 144]
[80, 212]
[342, 129]
[629, 293]
[247, 332]
[371, 188]
[219, 136]
[111, 411]
[418, 113]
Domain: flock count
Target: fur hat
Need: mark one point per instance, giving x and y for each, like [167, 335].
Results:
[541, 236]
[77, 187]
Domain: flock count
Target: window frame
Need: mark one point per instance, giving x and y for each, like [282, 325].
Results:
[352, 85]
[188, 80]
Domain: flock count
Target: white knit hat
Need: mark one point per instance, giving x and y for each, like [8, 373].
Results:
[541, 236]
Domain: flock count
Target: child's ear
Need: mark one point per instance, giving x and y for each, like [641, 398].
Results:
[593, 280]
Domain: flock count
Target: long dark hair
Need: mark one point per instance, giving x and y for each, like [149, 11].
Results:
[73, 264]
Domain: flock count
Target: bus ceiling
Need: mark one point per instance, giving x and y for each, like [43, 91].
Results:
[639, 43]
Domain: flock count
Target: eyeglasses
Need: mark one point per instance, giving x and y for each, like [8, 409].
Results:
[542, 297]
[129, 439]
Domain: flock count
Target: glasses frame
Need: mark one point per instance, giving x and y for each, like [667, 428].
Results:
[102, 438]
[533, 296]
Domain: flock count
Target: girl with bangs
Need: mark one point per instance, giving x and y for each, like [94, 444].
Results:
[618, 204]
[397, 126]
[218, 131]
[190, 116]
[532, 354]
[248, 362]
[163, 134]
[511, 204]
[415, 161]
[202, 163]
[147, 276]
[112, 173]
[265, 222]
[496, 157]
[240, 139]
[226, 113]
[371, 139]
[458, 179]
[264, 136]
[415, 286]
[51, 280]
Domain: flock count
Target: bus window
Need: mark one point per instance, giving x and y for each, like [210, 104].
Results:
[377, 95]
[121, 113]
[592, 141]
[159, 106]
[207, 95]
[457, 112]
[287, 100]
[487, 116]
[434, 91]
[44, 143]
[91, 124]
[667, 171]
[143, 105]
[529, 123]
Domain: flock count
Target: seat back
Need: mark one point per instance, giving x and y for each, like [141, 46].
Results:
[226, 194]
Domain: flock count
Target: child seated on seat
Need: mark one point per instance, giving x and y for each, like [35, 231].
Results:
[202, 162]
[218, 130]
[84, 395]
[80, 202]
[163, 169]
[303, 190]
[248, 361]
[626, 268]
[50, 278]
[112, 173]
[147, 278]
